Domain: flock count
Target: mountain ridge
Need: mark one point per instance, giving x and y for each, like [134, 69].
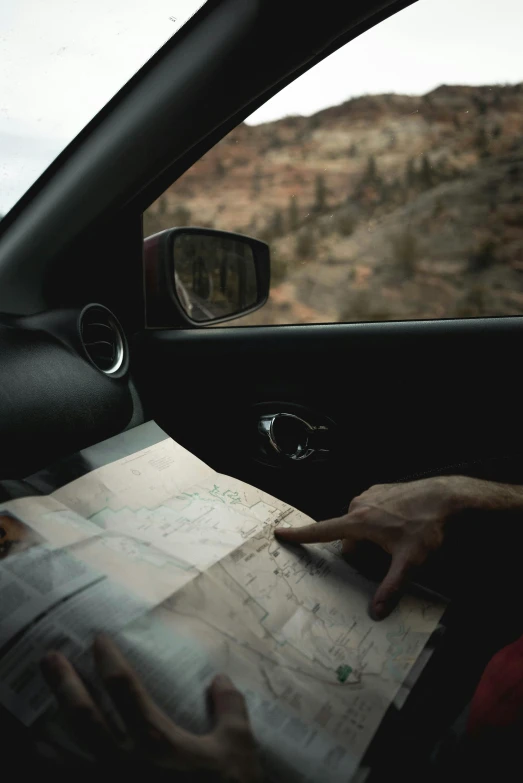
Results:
[389, 205]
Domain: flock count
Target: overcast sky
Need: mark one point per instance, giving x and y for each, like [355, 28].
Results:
[431, 42]
[61, 60]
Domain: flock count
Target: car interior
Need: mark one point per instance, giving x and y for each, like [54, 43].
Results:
[348, 404]
[75, 239]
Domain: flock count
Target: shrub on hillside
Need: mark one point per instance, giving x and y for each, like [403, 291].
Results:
[345, 224]
[475, 303]
[306, 243]
[180, 216]
[405, 252]
[484, 257]
[274, 227]
[279, 270]
[365, 306]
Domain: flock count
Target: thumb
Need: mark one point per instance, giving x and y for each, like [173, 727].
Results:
[389, 592]
[229, 704]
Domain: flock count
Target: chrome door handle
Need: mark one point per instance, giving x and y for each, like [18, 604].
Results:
[291, 436]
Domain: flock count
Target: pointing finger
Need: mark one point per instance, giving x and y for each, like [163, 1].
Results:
[318, 532]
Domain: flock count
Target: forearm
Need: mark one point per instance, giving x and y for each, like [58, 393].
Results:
[480, 495]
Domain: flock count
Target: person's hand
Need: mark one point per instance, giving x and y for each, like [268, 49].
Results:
[406, 520]
[227, 753]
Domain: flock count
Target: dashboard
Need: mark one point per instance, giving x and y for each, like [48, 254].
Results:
[64, 385]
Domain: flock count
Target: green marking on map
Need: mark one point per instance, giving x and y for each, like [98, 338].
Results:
[343, 672]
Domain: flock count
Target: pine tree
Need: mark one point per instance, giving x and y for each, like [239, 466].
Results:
[411, 175]
[320, 194]
[219, 169]
[274, 227]
[276, 224]
[162, 204]
[426, 173]
[482, 142]
[256, 185]
[294, 213]
[305, 243]
[371, 172]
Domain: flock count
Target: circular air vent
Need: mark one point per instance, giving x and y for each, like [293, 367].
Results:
[103, 339]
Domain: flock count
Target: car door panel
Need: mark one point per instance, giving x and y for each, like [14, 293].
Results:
[405, 398]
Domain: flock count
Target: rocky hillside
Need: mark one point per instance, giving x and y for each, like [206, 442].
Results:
[384, 207]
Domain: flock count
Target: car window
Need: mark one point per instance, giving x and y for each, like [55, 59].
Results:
[388, 180]
[61, 62]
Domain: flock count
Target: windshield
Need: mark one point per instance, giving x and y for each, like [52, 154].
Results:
[61, 63]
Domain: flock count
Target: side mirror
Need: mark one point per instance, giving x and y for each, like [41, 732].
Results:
[202, 276]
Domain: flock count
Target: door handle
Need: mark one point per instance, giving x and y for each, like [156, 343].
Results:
[291, 437]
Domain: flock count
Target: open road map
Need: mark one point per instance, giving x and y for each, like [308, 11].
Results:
[288, 623]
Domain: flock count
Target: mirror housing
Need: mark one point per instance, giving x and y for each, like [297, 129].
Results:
[200, 276]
